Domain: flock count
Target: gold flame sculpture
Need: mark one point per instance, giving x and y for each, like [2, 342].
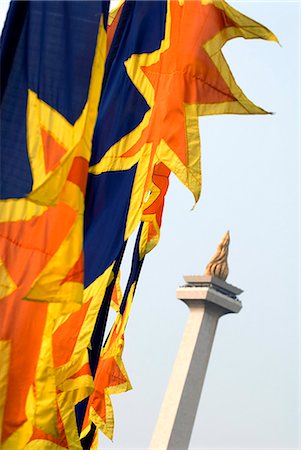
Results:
[218, 265]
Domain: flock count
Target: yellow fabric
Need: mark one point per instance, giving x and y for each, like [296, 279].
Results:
[7, 284]
[5, 356]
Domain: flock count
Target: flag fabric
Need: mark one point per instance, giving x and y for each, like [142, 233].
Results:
[89, 142]
[52, 64]
[161, 90]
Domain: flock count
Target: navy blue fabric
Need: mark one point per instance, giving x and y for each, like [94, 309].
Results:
[135, 270]
[107, 203]
[63, 34]
[48, 47]
[141, 29]
[10, 36]
[15, 172]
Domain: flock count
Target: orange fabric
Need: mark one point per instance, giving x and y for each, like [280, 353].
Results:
[108, 374]
[184, 74]
[115, 298]
[160, 179]
[79, 172]
[53, 151]
[27, 246]
[41, 435]
[25, 333]
[84, 370]
[112, 28]
[24, 258]
[76, 273]
[68, 334]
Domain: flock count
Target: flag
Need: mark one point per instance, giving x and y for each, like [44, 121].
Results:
[164, 68]
[52, 65]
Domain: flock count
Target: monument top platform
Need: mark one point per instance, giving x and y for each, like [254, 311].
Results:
[207, 280]
[206, 288]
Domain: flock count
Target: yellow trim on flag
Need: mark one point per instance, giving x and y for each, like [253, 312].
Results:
[7, 284]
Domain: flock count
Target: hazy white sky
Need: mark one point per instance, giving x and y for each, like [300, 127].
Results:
[250, 186]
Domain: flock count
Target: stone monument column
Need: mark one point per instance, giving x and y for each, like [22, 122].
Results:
[208, 297]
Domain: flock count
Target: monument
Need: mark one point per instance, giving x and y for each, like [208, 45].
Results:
[208, 298]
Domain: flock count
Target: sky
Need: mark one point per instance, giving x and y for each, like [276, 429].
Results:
[251, 186]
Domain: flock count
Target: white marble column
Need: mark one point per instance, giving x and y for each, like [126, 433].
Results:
[208, 298]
